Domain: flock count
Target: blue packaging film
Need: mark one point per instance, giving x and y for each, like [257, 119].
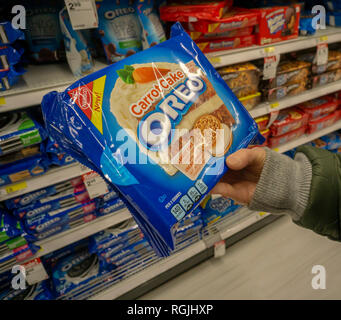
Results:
[119, 29]
[56, 154]
[133, 107]
[152, 29]
[23, 169]
[8, 34]
[306, 24]
[10, 77]
[77, 52]
[9, 226]
[9, 56]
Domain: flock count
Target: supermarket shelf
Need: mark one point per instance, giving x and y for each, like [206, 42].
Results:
[75, 234]
[266, 107]
[307, 138]
[36, 82]
[53, 176]
[123, 287]
[223, 58]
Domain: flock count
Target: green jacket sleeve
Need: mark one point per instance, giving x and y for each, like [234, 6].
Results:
[323, 212]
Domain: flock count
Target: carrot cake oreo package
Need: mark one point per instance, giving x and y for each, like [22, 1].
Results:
[158, 125]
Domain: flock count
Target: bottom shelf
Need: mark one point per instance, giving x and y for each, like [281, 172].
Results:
[167, 268]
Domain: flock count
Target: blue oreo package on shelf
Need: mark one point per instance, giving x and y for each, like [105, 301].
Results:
[56, 154]
[38, 291]
[10, 77]
[158, 126]
[119, 29]
[8, 34]
[330, 141]
[77, 52]
[23, 169]
[9, 226]
[9, 56]
[110, 207]
[306, 26]
[152, 29]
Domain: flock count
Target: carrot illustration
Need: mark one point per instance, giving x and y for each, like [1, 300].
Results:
[148, 74]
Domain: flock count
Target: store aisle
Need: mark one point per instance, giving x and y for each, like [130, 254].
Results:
[274, 263]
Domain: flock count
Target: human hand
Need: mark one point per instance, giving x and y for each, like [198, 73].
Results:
[240, 181]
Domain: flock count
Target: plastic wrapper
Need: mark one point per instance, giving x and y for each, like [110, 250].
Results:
[325, 78]
[10, 77]
[152, 29]
[278, 24]
[185, 11]
[226, 43]
[43, 32]
[8, 34]
[322, 122]
[284, 91]
[119, 29]
[330, 141]
[306, 24]
[249, 102]
[9, 227]
[34, 196]
[319, 106]
[56, 155]
[242, 79]
[78, 54]
[9, 56]
[23, 169]
[200, 36]
[288, 120]
[19, 130]
[134, 96]
[289, 72]
[235, 18]
[60, 200]
[284, 138]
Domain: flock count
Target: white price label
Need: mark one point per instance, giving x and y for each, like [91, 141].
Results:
[82, 13]
[94, 184]
[322, 54]
[273, 117]
[219, 249]
[270, 67]
[35, 271]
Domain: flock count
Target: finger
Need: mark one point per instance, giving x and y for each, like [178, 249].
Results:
[243, 158]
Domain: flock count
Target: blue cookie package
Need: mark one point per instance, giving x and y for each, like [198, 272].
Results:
[8, 34]
[9, 56]
[10, 77]
[158, 126]
[38, 291]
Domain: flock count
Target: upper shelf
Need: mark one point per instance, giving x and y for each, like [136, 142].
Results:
[223, 58]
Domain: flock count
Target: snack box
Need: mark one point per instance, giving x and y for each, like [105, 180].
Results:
[185, 11]
[289, 72]
[284, 91]
[8, 34]
[138, 102]
[322, 122]
[319, 106]
[288, 120]
[21, 154]
[200, 36]
[110, 207]
[278, 24]
[31, 197]
[236, 18]
[226, 43]
[242, 78]
[262, 122]
[325, 78]
[249, 102]
[330, 141]
[292, 135]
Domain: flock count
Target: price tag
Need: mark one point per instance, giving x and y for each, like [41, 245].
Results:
[322, 53]
[2, 101]
[270, 67]
[35, 271]
[94, 184]
[82, 13]
[16, 187]
[219, 249]
[273, 117]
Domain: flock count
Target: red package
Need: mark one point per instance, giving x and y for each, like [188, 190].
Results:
[278, 24]
[292, 135]
[186, 11]
[322, 122]
[234, 19]
[226, 44]
[262, 122]
[199, 36]
[289, 120]
[320, 106]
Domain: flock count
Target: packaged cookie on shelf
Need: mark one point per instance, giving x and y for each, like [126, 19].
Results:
[243, 79]
[287, 137]
[325, 78]
[330, 141]
[262, 122]
[148, 97]
[319, 106]
[278, 93]
[249, 102]
[322, 122]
